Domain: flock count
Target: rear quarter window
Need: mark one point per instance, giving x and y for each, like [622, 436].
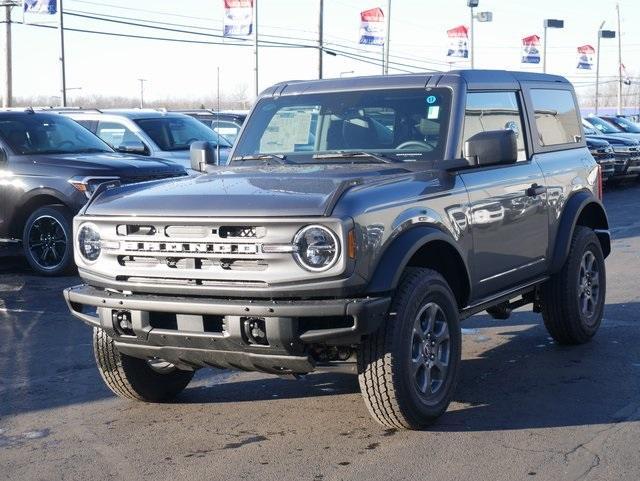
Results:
[556, 117]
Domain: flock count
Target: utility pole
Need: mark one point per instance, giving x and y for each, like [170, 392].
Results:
[473, 43]
[619, 61]
[63, 75]
[7, 95]
[142, 81]
[320, 39]
[255, 26]
[601, 34]
[387, 38]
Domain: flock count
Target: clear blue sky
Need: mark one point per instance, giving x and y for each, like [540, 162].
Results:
[110, 66]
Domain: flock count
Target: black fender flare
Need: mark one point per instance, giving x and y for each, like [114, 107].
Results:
[574, 206]
[397, 255]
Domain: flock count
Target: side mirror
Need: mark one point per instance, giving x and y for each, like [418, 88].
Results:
[137, 148]
[203, 153]
[492, 147]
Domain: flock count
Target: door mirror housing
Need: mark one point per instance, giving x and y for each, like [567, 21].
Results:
[492, 147]
[204, 153]
[133, 147]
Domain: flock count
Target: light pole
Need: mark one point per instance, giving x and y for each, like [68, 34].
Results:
[480, 17]
[548, 23]
[142, 81]
[8, 76]
[387, 36]
[601, 34]
[320, 39]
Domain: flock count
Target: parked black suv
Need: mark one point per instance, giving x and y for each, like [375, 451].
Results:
[49, 167]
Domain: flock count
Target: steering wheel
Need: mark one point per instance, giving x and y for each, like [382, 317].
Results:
[65, 142]
[414, 144]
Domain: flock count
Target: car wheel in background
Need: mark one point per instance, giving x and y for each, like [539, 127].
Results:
[47, 241]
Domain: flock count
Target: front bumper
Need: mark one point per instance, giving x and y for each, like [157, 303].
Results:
[197, 332]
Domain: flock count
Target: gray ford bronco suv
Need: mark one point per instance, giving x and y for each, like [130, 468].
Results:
[359, 218]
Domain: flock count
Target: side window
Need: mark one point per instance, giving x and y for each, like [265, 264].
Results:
[494, 111]
[116, 134]
[556, 117]
[88, 124]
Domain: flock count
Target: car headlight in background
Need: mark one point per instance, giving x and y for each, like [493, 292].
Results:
[317, 248]
[89, 242]
[88, 185]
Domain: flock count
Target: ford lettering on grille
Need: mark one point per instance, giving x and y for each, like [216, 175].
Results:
[191, 247]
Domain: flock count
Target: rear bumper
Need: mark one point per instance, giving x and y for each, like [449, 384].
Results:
[198, 332]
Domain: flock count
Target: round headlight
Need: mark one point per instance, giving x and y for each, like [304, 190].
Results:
[89, 242]
[317, 248]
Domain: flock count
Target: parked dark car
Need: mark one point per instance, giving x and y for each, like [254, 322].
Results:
[625, 147]
[49, 167]
[227, 124]
[603, 152]
[359, 218]
[607, 128]
[622, 123]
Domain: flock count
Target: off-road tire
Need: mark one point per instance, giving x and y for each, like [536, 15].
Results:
[132, 378]
[53, 214]
[384, 359]
[560, 295]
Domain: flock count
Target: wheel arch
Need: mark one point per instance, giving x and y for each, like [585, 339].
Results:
[427, 247]
[33, 201]
[583, 209]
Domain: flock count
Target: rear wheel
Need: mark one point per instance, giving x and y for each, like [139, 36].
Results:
[408, 369]
[573, 299]
[132, 378]
[47, 241]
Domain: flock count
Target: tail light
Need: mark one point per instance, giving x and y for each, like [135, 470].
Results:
[599, 182]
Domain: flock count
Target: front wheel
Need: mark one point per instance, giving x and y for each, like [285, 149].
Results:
[408, 369]
[573, 299]
[132, 378]
[47, 241]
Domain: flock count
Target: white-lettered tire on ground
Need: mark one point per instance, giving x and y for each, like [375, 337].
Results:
[408, 368]
[132, 378]
[573, 299]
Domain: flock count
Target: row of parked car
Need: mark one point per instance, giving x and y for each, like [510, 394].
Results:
[614, 141]
[53, 160]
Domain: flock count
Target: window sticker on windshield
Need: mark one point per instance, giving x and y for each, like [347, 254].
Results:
[287, 129]
[433, 112]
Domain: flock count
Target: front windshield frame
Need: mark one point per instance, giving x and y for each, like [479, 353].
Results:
[32, 126]
[321, 106]
[201, 132]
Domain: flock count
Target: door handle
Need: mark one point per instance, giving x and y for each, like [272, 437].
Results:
[536, 190]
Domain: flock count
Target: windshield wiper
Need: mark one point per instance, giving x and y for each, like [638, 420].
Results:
[354, 155]
[280, 158]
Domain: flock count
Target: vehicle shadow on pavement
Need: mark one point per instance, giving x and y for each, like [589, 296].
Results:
[526, 382]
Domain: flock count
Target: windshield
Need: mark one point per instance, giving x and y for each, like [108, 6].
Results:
[178, 133]
[29, 134]
[603, 126]
[406, 124]
[626, 125]
[589, 129]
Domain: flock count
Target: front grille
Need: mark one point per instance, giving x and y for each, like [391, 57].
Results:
[150, 177]
[178, 281]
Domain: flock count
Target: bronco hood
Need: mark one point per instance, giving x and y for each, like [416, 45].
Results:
[267, 191]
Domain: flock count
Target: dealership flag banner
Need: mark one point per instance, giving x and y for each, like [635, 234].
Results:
[585, 57]
[49, 7]
[372, 27]
[238, 18]
[531, 49]
[458, 42]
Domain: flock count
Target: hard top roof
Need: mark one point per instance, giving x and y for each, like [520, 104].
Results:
[474, 79]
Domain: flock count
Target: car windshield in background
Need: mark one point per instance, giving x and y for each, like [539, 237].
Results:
[406, 124]
[625, 124]
[176, 133]
[30, 134]
[603, 126]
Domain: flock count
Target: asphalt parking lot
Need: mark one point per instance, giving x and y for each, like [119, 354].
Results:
[525, 408]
